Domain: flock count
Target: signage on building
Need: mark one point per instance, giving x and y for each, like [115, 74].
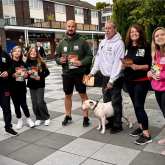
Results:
[89, 37]
[40, 35]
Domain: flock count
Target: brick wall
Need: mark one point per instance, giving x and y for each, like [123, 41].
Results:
[70, 13]
[48, 8]
[87, 16]
[100, 23]
[1, 10]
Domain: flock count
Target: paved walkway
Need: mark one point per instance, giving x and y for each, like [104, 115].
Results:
[74, 144]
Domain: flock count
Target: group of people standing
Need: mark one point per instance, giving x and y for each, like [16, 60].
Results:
[108, 61]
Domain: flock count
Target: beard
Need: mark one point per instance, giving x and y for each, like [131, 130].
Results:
[71, 34]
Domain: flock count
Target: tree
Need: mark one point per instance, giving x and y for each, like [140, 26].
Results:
[101, 5]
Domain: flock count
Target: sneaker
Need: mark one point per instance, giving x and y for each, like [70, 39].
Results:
[86, 122]
[162, 142]
[67, 120]
[19, 124]
[11, 132]
[143, 140]
[108, 125]
[30, 122]
[137, 132]
[38, 122]
[116, 129]
[47, 122]
[163, 153]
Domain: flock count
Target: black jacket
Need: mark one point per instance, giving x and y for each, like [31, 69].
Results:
[6, 64]
[140, 57]
[42, 51]
[35, 84]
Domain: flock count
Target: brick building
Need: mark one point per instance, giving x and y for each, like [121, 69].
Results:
[44, 21]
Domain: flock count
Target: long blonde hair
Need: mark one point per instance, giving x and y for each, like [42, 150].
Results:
[21, 56]
[38, 58]
[155, 48]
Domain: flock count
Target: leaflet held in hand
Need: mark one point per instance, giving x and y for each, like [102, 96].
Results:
[156, 69]
[126, 61]
[35, 72]
[71, 60]
[21, 71]
[87, 82]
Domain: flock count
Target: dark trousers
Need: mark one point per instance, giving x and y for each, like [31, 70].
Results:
[114, 95]
[5, 105]
[19, 100]
[160, 97]
[38, 103]
[137, 91]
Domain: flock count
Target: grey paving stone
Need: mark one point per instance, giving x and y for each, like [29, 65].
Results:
[3, 137]
[55, 141]
[95, 135]
[94, 162]
[148, 158]
[32, 135]
[10, 145]
[80, 112]
[48, 100]
[82, 147]
[31, 154]
[8, 161]
[62, 158]
[115, 154]
[54, 114]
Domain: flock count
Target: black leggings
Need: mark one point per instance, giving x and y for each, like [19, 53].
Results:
[137, 91]
[160, 97]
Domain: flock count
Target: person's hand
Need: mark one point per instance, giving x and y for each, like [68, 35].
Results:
[123, 67]
[25, 75]
[37, 78]
[109, 85]
[77, 63]
[4, 74]
[149, 74]
[17, 74]
[157, 76]
[30, 72]
[62, 60]
[134, 67]
[90, 75]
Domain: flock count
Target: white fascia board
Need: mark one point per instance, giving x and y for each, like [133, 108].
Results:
[48, 30]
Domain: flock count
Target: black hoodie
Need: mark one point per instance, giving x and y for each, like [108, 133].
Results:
[6, 64]
[140, 57]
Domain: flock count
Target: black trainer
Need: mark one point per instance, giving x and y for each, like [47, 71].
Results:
[67, 120]
[143, 139]
[11, 132]
[137, 132]
[86, 122]
[116, 129]
[108, 125]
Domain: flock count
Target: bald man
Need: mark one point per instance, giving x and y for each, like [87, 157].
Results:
[73, 72]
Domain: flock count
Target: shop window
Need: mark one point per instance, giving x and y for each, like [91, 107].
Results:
[78, 11]
[8, 2]
[46, 46]
[94, 14]
[60, 8]
[97, 27]
[36, 4]
[9, 20]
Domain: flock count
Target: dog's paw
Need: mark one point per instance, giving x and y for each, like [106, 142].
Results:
[129, 125]
[102, 132]
[98, 128]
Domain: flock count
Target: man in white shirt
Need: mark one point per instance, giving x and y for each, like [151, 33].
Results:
[107, 60]
[41, 50]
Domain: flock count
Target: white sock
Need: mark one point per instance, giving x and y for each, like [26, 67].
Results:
[28, 118]
[20, 119]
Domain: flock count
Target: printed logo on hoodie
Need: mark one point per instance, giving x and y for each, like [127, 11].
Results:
[65, 49]
[140, 52]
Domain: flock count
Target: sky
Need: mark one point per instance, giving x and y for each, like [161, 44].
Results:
[93, 2]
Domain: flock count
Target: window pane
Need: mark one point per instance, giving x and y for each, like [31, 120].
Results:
[13, 21]
[30, 3]
[5, 1]
[75, 11]
[40, 5]
[36, 4]
[11, 2]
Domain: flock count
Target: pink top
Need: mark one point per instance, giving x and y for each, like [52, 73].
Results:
[160, 84]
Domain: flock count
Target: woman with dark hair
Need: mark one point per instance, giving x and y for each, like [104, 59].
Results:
[136, 79]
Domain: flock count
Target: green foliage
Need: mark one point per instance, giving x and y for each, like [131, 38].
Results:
[84, 36]
[50, 17]
[101, 5]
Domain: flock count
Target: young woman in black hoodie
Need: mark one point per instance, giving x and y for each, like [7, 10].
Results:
[38, 71]
[18, 88]
[136, 79]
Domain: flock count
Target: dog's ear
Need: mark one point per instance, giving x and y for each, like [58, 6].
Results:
[91, 103]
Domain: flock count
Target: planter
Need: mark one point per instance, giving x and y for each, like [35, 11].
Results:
[98, 82]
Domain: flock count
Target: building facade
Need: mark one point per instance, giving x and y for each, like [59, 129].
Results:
[44, 21]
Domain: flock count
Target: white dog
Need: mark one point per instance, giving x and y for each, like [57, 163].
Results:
[104, 110]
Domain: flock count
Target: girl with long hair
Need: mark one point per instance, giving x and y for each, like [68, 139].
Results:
[158, 56]
[38, 71]
[18, 88]
[136, 80]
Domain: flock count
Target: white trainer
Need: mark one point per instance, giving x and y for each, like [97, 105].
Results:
[47, 122]
[38, 122]
[19, 124]
[30, 122]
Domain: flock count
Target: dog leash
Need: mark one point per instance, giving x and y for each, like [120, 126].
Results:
[104, 91]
